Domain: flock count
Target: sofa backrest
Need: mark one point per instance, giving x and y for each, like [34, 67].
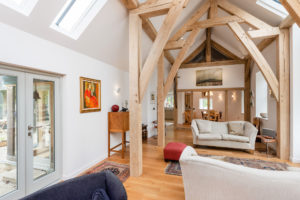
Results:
[219, 127]
[83, 188]
[210, 179]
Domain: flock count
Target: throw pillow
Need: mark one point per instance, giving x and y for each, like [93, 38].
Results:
[204, 126]
[100, 194]
[236, 128]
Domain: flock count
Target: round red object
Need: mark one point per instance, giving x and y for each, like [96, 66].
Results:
[115, 108]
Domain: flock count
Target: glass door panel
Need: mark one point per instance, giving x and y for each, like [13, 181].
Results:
[42, 119]
[8, 134]
[43, 128]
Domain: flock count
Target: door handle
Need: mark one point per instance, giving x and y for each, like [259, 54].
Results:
[34, 127]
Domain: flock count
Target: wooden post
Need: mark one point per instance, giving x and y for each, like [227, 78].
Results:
[160, 102]
[283, 104]
[135, 26]
[247, 108]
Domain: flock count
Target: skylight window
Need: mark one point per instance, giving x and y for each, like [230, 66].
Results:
[24, 7]
[76, 15]
[273, 6]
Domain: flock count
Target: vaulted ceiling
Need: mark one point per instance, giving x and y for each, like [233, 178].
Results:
[106, 38]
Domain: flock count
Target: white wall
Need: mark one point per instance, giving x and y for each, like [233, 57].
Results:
[261, 94]
[270, 123]
[295, 94]
[84, 135]
[233, 76]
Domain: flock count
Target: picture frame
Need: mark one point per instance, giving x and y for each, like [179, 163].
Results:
[90, 95]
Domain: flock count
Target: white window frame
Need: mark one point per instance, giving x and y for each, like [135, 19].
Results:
[201, 107]
[82, 23]
[274, 7]
[25, 7]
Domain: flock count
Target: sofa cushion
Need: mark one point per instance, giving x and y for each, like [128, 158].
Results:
[204, 126]
[236, 128]
[210, 136]
[220, 127]
[235, 138]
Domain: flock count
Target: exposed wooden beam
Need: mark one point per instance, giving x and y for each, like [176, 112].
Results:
[257, 57]
[218, 21]
[209, 89]
[152, 33]
[189, 42]
[195, 52]
[196, 16]
[287, 22]
[160, 103]
[130, 4]
[293, 7]
[159, 44]
[247, 97]
[135, 28]
[264, 33]
[224, 51]
[283, 105]
[147, 26]
[213, 12]
[152, 9]
[249, 19]
[213, 64]
[262, 45]
[171, 45]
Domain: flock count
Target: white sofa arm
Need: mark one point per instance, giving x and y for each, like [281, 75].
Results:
[195, 130]
[188, 152]
[251, 132]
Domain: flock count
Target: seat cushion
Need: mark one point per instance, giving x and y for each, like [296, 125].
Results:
[204, 126]
[173, 150]
[210, 136]
[235, 138]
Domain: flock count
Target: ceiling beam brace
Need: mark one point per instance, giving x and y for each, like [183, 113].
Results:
[256, 56]
[249, 19]
[159, 44]
[293, 7]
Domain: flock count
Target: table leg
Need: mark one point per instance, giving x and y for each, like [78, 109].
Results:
[108, 144]
[123, 144]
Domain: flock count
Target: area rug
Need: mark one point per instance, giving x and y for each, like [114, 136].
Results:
[120, 170]
[173, 168]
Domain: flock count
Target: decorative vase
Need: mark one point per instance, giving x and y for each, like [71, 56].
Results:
[115, 108]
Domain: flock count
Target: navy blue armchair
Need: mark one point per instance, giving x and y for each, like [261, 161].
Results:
[83, 188]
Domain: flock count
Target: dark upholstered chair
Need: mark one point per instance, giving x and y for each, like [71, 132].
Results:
[83, 188]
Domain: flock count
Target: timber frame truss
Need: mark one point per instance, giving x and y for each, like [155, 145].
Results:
[139, 75]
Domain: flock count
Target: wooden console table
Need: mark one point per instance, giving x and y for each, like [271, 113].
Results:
[118, 122]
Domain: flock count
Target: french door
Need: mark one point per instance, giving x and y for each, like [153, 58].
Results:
[29, 133]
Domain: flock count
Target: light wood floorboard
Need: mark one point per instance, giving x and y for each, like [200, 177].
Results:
[155, 184]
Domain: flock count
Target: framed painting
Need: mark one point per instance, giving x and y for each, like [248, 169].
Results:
[209, 77]
[90, 95]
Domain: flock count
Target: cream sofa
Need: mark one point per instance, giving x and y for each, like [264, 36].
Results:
[217, 134]
[210, 179]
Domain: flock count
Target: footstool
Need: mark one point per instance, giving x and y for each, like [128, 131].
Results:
[173, 151]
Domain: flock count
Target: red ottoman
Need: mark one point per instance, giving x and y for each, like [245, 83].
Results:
[173, 150]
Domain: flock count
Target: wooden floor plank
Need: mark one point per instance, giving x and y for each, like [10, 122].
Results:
[155, 184]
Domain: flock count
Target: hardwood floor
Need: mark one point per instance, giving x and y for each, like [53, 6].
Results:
[154, 183]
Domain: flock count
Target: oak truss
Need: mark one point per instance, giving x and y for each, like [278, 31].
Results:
[140, 75]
